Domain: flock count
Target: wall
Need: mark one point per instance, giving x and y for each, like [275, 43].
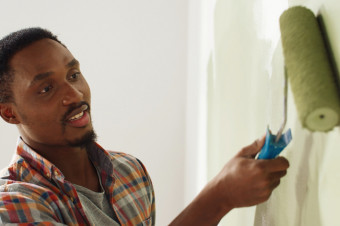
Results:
[245, 36]
[309, 195]
[133, 54]
[245, 95]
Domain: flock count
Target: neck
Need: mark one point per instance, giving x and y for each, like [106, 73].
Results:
[73, 162]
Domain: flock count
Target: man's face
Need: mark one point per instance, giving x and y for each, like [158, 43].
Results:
[51, 96]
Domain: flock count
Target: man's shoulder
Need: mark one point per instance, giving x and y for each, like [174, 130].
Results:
[125, 162]
[4, 178]
[123, 157]
[32, 202]
[18, 180]
[21, 193]
[133, 185]
[11, 186]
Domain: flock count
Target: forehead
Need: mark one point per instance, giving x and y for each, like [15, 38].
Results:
[41, 56]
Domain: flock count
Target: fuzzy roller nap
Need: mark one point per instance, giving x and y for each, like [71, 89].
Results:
[309, 70]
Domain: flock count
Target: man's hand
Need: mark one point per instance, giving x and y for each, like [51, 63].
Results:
[244, 181]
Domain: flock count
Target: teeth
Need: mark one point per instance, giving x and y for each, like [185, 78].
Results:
[77, 116]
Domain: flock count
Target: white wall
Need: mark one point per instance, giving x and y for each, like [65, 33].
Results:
[309, 194]
[133, 54]
[246, 93]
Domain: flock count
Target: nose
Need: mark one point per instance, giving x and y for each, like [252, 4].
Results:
[72, 95]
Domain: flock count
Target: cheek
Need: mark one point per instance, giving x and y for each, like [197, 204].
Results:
[87, 91]
[39, 117]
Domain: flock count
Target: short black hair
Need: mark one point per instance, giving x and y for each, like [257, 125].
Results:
[9, 46]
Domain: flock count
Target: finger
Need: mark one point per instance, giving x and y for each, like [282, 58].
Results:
[251, 150]
[275, 165]
[274, 184]
[278, 174]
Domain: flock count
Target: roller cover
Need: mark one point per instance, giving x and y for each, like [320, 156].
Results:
[309, 70]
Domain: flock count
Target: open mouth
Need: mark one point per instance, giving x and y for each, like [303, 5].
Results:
[78, 117]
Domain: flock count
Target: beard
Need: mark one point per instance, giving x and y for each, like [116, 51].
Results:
[85, 141]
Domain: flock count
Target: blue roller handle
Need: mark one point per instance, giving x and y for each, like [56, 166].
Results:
[271, 149]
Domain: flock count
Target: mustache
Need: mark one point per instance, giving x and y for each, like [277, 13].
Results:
[73, 107]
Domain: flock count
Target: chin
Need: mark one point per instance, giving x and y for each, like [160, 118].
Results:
[86, 140]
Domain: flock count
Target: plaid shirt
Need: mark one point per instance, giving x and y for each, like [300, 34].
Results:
[33, 191]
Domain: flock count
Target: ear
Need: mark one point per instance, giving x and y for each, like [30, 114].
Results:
[7, 113]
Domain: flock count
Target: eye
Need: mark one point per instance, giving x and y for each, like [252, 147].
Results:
[74, 76]
[46, 89]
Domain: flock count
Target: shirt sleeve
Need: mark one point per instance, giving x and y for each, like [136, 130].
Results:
[20, 209]
[151, 193]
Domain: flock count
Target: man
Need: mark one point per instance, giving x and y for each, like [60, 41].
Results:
[61, 176]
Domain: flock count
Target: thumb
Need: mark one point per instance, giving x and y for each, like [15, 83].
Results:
[251, 150]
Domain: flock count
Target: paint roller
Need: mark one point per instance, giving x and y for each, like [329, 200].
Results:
[309, 69]
[312, 79]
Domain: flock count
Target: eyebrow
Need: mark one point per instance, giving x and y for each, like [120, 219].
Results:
[40, 77]
[44, 75]
[72, 63]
